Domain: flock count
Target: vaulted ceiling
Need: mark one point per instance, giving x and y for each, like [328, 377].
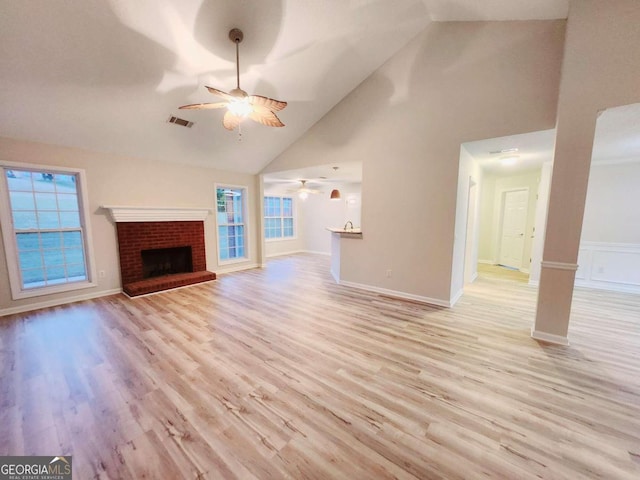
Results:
[105, 75]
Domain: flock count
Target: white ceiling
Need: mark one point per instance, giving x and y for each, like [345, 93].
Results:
[105, 75]
[617, 139]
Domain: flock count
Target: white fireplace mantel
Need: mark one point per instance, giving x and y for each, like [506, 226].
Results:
[156, 214]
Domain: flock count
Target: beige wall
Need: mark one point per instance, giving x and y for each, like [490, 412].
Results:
[114, 180]
[453, 83]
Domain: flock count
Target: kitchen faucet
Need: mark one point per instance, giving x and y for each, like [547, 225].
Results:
[349, 222]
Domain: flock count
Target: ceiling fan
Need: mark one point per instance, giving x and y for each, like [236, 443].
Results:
[303, 191]
[240, 104]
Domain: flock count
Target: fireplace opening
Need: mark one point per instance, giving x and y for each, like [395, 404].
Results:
[165, 261]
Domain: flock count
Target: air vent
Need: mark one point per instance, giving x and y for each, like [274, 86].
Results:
[180, 121]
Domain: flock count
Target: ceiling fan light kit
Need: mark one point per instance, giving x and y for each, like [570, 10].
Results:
[239, 104]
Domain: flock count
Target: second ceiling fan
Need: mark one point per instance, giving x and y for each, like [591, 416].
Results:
[240, 104]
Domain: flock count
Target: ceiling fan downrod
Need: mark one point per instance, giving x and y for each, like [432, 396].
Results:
[236, 36]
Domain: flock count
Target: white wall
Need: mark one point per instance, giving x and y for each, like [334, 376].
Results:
[469, 171]
[320, 212]
[314, 215]
[115, 180]
[612, 208]
[609, 254]
[406, 123]
[540, 224]
[494, 188]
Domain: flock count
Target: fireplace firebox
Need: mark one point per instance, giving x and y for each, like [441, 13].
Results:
[157, 262]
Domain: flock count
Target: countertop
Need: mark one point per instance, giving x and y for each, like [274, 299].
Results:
[349, 232]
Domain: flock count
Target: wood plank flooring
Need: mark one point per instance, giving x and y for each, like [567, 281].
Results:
[281, 374]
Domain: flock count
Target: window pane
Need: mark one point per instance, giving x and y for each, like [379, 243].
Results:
[43, 182]
[51, 240]
[33, 278]
[22, 201]
[30, 259]
[28, 241]
[287, 207]
[48, 220]
[67, 201]
[278, 221]
[70, 219]
[43, 200]
[56, 273]
[25, 220]
[73, 255]
[230, 218]
[19, 180]
[76, 272]
[72, 239]
[46, 201]
[65, 183]
[53, 258]
[288, 227]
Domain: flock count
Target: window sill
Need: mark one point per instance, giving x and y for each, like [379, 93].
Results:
[281, 239]
[231, 261]
[42, 291]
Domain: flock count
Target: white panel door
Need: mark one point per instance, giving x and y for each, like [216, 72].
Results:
[514, 221]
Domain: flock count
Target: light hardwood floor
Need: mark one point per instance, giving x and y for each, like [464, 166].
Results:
[281, 374]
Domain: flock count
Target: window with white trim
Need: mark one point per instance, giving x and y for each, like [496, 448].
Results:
[230, 218]
[278, 218]
[44, 229]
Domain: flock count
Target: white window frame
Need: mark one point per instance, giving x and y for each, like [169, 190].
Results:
[9, 233]
[245, 224]
[294, 209]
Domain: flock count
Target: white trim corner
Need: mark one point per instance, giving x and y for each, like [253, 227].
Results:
[549, 337]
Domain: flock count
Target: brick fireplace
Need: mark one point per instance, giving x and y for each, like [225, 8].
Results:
[156, 237]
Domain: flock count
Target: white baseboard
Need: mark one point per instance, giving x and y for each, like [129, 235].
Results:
[236, 268]
[486, 262]
[549, 337]
[282, 254]
[394, 293]
[335, 276]
[608, 286]
[456, 297]
[60, 301]
[328, 254]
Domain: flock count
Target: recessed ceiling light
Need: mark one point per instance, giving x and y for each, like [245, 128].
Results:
[510, 160]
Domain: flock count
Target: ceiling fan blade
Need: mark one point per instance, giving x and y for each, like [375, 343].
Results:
[231, 121]
[220, 93]
[270, 103]
[267, 118]
[203, 106]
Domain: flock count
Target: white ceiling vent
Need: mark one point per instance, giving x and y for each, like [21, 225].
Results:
[180, 121]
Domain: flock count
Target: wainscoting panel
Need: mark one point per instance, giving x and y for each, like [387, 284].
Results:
[609, 266]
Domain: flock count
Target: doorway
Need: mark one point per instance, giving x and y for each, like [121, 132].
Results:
[515, 205]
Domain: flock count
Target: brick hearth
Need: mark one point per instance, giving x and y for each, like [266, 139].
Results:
[133, 237]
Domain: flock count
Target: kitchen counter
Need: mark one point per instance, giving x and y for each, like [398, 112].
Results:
[348, 233]
[338, 235]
